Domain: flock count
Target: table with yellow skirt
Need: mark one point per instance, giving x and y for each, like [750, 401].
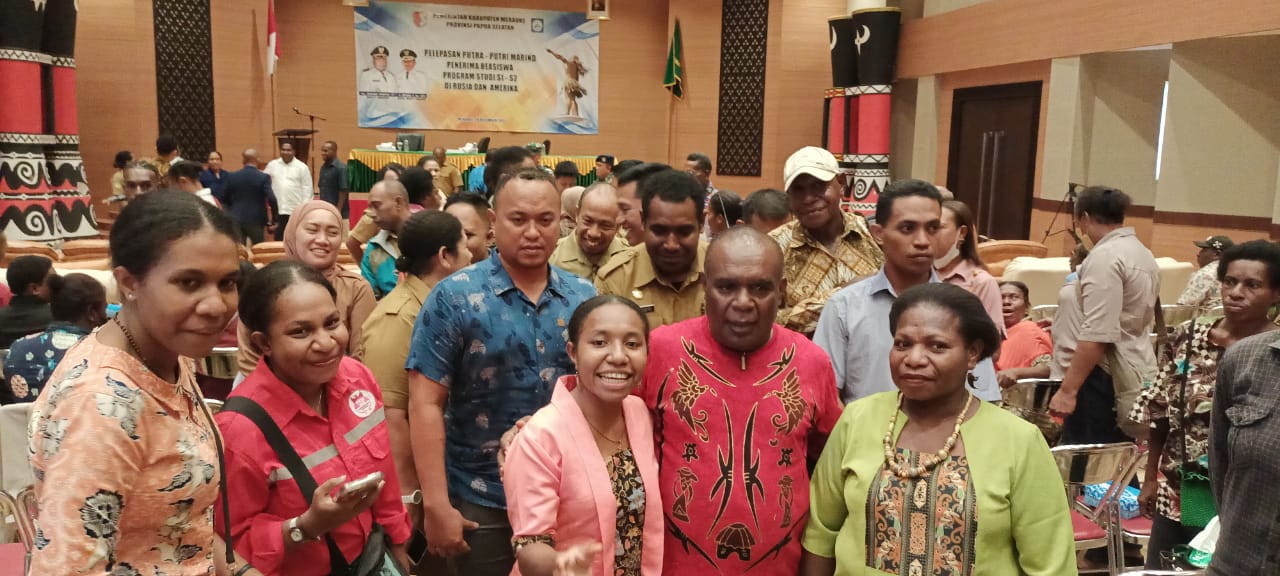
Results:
[363, 165]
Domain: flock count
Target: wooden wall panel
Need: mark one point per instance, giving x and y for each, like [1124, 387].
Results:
[799, 68]
[1003, 32]
[115, 82]
[241, 86]
[317, 74]
[1175, 241]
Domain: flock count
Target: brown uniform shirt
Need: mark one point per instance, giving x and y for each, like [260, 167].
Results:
[630, 275]
[449, 180]
[384, 342]
[569, 257]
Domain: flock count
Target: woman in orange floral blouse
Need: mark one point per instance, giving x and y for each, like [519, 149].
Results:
[124, 452]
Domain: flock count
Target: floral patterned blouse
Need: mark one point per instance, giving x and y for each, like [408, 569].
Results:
[628, 490]
[1163, 400]
[924, 527]
[32, 359]
[126, 468]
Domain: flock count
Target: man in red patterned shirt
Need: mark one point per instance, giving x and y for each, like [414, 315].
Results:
[739, 406]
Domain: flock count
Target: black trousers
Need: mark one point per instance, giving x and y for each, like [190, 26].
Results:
[253, 233]
[1094, 421]
[282, 220]
[1165, 534]
[491, 553]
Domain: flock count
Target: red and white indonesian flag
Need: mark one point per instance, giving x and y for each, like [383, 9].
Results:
[273, 45]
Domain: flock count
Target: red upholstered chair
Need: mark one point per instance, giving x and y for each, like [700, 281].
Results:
[1086, 464]
[15, 557]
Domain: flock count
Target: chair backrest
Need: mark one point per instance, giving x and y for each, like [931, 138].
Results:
[267, 252]
[1085, 464]
[1043, 312]
[1029, 399]
[15, 470]
[85, 249]
[16, 248]
[9, 506]
[1031, 394]
[1175, 314]
[220, 363]
[997, 250]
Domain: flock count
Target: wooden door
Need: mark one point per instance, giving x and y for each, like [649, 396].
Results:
[992, 158]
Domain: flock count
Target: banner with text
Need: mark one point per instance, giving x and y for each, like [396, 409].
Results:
[454, 67]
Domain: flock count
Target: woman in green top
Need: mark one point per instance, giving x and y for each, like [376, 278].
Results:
[929, 480]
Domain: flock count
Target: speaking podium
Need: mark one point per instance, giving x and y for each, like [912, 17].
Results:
[301, 139]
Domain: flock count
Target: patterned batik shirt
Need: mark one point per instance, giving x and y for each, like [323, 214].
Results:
[734, 433]
[32, 359]
[1163, 400]
[1203, 289]
[499, 355]
[126, 468]
[814, 273]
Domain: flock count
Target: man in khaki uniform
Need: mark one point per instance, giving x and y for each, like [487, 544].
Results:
[1119, 285]
[594, 241]
[664, 275]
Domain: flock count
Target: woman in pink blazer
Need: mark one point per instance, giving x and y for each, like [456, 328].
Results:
[581, 477]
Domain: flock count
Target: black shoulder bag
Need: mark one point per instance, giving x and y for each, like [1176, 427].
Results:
[374, 559]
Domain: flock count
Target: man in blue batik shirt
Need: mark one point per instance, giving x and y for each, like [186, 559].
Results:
[487, 349]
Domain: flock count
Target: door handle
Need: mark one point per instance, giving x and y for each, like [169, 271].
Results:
[982, 172]
[996, 141]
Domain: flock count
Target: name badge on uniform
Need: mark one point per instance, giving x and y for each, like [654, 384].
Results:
[646, 308]
[362, 403]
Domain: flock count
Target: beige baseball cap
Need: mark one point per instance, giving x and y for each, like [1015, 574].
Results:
[811, 160]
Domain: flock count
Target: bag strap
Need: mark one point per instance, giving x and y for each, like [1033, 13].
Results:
[292, 462]
[228, 545]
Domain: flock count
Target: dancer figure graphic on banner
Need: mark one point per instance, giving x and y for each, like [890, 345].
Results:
[573, 70]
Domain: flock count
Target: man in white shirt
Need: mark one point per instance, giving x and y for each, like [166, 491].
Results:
[291, 181]
[411, 81]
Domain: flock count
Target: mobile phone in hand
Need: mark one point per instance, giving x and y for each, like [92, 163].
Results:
[360, 484]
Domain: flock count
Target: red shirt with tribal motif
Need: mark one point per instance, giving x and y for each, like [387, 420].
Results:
[733, 434]
[351, 441]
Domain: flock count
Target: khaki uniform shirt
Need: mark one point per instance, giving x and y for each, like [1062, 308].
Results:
[630, 275]
[365, 229]
[384, 345]
[1119, 283]
[814, 273]
[449, 180]
[570, 258]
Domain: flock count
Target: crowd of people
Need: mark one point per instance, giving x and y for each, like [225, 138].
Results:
[645, 376]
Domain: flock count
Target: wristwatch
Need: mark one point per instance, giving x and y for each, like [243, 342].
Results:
[414, 497]
[295, 533]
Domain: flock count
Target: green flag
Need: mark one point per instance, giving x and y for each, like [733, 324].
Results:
[674, 78]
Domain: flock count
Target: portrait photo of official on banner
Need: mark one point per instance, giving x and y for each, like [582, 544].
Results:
[456, 67]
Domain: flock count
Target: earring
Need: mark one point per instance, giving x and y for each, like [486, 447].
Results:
[130, 296]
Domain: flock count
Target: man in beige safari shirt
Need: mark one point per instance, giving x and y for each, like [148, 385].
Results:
[1119, 283]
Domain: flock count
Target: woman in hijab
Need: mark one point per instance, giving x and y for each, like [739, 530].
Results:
[313, 236]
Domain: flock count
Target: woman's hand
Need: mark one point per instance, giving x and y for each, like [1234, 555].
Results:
[576, 561]
[1147, 499]
[1007, 378]
[328, 512]
[505, 442]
